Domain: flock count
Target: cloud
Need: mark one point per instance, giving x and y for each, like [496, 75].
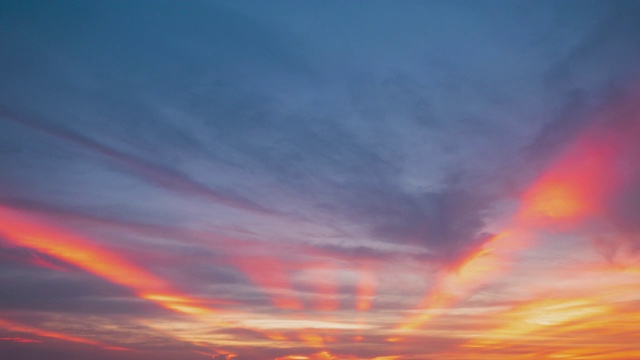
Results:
[289, 158]
[156, 174]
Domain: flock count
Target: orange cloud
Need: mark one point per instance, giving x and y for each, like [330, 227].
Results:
[540, 314]
[366, 287]
[311, 338]
[272, 275]
[573, 188]
[12, 326]
[557, 328]
[321, 355]
[486, 263]
[325, 281]
[24, 230]
[20, 340]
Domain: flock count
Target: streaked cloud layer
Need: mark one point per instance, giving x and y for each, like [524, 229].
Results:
[319, 180]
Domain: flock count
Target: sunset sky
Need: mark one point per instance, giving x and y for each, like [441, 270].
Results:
[307, 180]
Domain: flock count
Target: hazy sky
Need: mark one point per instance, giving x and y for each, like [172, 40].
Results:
[260, 180]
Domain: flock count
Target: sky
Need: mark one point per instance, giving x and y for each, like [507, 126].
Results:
[307, 180]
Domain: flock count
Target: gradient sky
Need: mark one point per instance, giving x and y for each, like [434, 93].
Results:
[260, 180]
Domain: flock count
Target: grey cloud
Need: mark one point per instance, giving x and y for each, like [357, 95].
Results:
[587, 63]
[154, 173]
